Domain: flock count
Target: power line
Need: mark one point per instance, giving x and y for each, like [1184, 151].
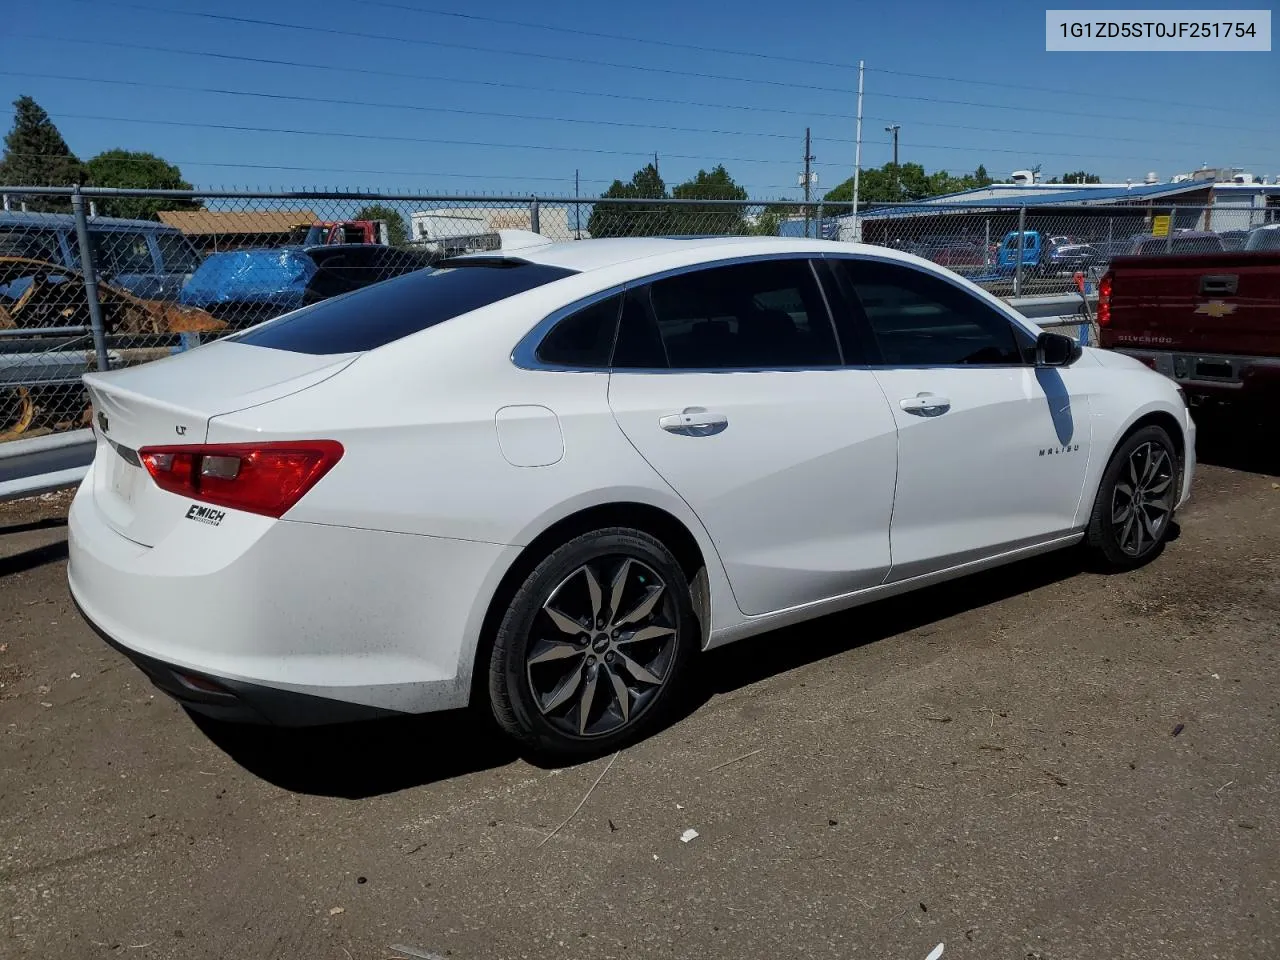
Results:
[418, 41]
[573, 31]
[397, 138]
[331, 31]
[535, 117]
[1027, 133]
[1061, 113]
[420, 108]
[359, 170]
[806, 61]
[435, 78]
[430, 78]
[1005, 85]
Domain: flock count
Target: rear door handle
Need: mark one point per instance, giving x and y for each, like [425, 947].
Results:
[694, 422]
[925, 404]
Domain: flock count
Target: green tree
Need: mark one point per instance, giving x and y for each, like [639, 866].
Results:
[140, 171]
[909, 181]
[718, 218]
[632, 219]
[397, 231]
[769, 222]
[1080, 176]
[36, 155]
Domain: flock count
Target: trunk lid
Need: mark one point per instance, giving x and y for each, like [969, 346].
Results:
[171, 401]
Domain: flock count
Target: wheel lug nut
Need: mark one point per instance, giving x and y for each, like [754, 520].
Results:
[608, 657]
[615, 634]
[590, 659]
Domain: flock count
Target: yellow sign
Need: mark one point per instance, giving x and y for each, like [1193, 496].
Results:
[1160, 226]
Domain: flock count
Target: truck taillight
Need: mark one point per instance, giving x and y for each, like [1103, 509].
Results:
[1104, 300]
[264, 478]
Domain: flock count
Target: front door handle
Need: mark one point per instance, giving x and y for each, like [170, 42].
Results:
[694, 422]
[925, 405]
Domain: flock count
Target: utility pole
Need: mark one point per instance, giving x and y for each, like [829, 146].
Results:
[896, 174]
[655, 163]
[577, 209]
[808, 158]
[857, 156]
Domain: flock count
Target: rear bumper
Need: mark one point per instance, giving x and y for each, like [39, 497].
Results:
[287, 622]
[223, 698]
[1215, 377]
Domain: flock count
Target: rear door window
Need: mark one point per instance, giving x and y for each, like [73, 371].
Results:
[762, 315]
[118, 252]
[177, 255]
[387, 311]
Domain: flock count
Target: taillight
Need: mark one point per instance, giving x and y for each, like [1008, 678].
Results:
[1104, 300]
[265, 478]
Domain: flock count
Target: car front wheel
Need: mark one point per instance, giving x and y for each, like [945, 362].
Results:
[594, 645]
[1134, 507]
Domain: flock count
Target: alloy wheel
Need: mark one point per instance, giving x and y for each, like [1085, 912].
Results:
[1142, 499]
[602, 646]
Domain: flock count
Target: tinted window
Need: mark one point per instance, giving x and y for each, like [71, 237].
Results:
[1263, 240]
[393, 309]
[585, 338]
[763, 314]
[918, 319]
[1197, 245]
[638, 345]
[116, 252]
[177, 254]
[32, 244]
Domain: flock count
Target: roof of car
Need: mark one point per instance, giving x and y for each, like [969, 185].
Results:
[31, 218]
[584, 255]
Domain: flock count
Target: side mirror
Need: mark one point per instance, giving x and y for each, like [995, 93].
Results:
[1056, 350]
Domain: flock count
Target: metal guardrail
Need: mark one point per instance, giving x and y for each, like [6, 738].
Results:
[43, 464]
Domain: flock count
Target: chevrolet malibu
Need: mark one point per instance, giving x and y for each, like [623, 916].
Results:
[546, 480]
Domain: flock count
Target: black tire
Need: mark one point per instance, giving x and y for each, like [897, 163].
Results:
[1112, 529]
[521, 693]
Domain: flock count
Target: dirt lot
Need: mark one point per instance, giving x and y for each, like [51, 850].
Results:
[1037, 763]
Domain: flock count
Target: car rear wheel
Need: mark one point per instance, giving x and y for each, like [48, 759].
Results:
[1134, 507]
[593, 646]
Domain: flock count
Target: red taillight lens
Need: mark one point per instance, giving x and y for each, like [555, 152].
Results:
[265, 478]
[1104, 300]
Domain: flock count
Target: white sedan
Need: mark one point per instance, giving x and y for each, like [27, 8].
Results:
[546, 479]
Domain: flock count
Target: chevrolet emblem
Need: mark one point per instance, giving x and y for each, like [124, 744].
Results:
[1216, 308]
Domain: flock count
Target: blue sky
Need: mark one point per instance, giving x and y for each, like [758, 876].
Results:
[1212, 107]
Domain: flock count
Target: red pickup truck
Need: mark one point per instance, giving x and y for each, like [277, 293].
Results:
[1210, 321]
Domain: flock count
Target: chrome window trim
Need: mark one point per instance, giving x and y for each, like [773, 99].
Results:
[525, 354]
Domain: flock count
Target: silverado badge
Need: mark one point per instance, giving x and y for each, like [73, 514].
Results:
[1216, 308]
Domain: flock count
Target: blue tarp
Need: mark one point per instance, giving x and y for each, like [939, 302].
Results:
[253, 276]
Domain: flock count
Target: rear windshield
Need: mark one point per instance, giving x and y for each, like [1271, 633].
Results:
[1263, 240]
[387, 311]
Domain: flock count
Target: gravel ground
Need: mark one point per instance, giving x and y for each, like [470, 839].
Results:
[1035, 763]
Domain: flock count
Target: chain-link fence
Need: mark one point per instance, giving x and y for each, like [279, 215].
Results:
[83, 289]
